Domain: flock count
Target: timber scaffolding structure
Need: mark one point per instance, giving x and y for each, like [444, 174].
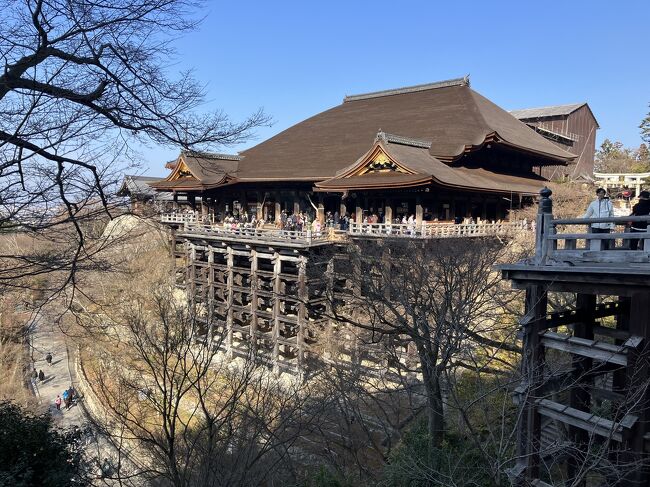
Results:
[585, 369]
[265, 288]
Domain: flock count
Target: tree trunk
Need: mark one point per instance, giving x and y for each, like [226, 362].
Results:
[435, 413]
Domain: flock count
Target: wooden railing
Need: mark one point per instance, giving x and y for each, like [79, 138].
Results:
[435, 230]
[554, 243]
[191, 224]
[574, 240]
[244, 232]
[178, 218]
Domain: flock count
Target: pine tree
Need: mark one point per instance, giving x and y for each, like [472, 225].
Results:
[645, 128]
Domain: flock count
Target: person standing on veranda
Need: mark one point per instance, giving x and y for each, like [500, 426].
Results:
[601, 207]
[642, 208]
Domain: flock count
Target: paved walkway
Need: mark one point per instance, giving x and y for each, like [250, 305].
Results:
[46, 338]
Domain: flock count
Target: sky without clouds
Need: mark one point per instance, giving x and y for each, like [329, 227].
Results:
[296, 59]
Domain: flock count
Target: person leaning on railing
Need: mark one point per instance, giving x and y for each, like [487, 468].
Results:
[601, 207]
[642, 208]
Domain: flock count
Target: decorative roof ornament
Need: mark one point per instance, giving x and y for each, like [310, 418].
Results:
[399, 139]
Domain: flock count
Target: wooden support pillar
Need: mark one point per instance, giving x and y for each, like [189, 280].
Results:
[278, 206]
[358, 218]
[320, 212]
[638, 376]
[191, 199]
[190, 275]
[243, 204]
[230, 262]
[296, 206]
[302, 312]
[419, 211]
[259, 211]
[388, 211]
[210, 298]
[204, 205]
[529, 428]
[579, 397]
[343, 209]
[619, 379]
[175, 199]
[277, 291]
[332, 325]
[254, 301]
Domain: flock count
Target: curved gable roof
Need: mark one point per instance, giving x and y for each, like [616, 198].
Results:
[200, 170]
[450, 114]
[415, 166]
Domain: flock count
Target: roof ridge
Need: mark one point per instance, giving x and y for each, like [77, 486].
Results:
[464, 81]
[563, 105]
[212, 155]
[400, 139]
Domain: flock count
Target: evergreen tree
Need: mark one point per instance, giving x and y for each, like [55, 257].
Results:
[645, 128]
[33, 453]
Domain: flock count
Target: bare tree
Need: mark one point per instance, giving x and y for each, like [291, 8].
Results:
[437, 306]
[191, 416]
[82, 82]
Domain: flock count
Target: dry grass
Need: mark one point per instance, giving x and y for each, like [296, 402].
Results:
[14, 351]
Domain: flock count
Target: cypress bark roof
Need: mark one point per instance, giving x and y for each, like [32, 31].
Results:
[452, 117]
[444, 120]
[414, 166]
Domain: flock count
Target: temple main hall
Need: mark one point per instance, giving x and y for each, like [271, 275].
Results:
[437, 152]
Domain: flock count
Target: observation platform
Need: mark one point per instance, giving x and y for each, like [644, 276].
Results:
[567, 251]
[593, 351]
[192, 226]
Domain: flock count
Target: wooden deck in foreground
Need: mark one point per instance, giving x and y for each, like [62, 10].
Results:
[599, 405]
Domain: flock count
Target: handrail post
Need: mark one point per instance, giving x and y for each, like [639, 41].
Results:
[544, 223]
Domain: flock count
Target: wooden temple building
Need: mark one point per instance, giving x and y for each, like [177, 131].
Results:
[436, 151]
[441, 154]
[585, 391]
[572, 128]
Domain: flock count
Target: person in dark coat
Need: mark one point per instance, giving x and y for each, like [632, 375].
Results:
[48, 358]
[642, 208]
[41, 375]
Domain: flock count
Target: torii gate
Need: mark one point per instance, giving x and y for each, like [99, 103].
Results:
[626, 179]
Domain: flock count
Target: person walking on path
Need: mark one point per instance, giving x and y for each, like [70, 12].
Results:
[41, 375]
[71, 395]
[48, 358]
[66, 399]
[601, 207]
[57, 402]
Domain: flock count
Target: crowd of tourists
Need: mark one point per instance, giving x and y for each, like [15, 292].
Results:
[304, 221]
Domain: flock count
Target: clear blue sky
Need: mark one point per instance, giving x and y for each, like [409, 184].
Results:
[295, 59]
